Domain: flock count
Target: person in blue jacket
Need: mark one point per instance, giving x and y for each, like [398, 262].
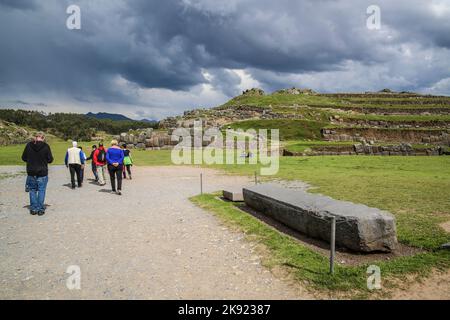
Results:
[114, 159]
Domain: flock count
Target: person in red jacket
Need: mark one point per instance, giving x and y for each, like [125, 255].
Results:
[99, 159]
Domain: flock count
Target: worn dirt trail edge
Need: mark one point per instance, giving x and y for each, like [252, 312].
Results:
[150, 243]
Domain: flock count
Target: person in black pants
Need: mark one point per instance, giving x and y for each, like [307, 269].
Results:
[127, 162]
[115, 173]
[75, 169]
[93, 166]
[75, 160]
[114, 158]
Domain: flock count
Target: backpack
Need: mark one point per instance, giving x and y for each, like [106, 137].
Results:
[101, 157]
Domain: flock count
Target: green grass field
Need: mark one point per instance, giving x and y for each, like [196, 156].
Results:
[414, 189]
[277, 99]
[11, 155]
[311, 268]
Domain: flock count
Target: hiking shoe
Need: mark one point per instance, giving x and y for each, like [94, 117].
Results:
[33, 213]
[41, 213]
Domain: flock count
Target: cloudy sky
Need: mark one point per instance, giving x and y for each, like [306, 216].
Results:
[151, 59]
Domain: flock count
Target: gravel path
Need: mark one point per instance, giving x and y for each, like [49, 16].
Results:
[149, 243]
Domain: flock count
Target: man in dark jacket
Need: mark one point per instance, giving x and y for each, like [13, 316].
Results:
[37, 155]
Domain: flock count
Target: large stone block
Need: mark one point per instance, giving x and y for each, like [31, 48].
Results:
[233, 195]
[358, 227]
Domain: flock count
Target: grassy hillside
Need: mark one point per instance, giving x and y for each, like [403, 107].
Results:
[278, 99]
[69, 125]
[301, 117]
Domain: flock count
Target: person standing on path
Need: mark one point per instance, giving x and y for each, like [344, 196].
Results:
[82, 167]
[37, 154]
[93, 166]
[75, 161]
[127, 162]
[114, 158]
[99, 159]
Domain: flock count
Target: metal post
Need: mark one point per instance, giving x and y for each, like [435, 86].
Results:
[201, 183]
[256, 179]
[332, 244]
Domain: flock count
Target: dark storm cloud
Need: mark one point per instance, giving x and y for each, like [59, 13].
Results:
[284, 35]
[18, 4]
[126, 46]
[226, 81]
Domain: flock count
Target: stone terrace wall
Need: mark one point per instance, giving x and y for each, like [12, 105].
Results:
[365, 149]
[387, 135]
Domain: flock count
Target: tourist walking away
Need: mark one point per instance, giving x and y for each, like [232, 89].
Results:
[75, 162]
[37, 155]
[127, 162]
[93, 166]
[99, 159]
[82, 167]
[114, 158]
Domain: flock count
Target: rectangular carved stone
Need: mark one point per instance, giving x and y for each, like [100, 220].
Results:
[233, 195]
[358, 227]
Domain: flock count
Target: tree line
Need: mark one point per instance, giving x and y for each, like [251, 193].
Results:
[70, 125]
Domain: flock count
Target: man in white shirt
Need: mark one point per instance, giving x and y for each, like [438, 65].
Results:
[75, 160]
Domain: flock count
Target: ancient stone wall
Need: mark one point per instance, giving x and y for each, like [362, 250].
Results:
[387, 135]
[366, 149]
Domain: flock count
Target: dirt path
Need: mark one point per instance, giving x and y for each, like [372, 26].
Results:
[434, 287]
[150, 243]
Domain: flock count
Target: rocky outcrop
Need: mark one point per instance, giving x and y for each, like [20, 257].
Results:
[254, 92]
[11, 133]
[146, 139]
[220, 116]
[170, 122]
[134, 137]
[307, 92]
[358, 227]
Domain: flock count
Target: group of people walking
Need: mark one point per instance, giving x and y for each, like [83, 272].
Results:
[37, 154]
[116, 160]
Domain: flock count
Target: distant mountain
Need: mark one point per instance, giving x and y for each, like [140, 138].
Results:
[110, 116]
[148, 120]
